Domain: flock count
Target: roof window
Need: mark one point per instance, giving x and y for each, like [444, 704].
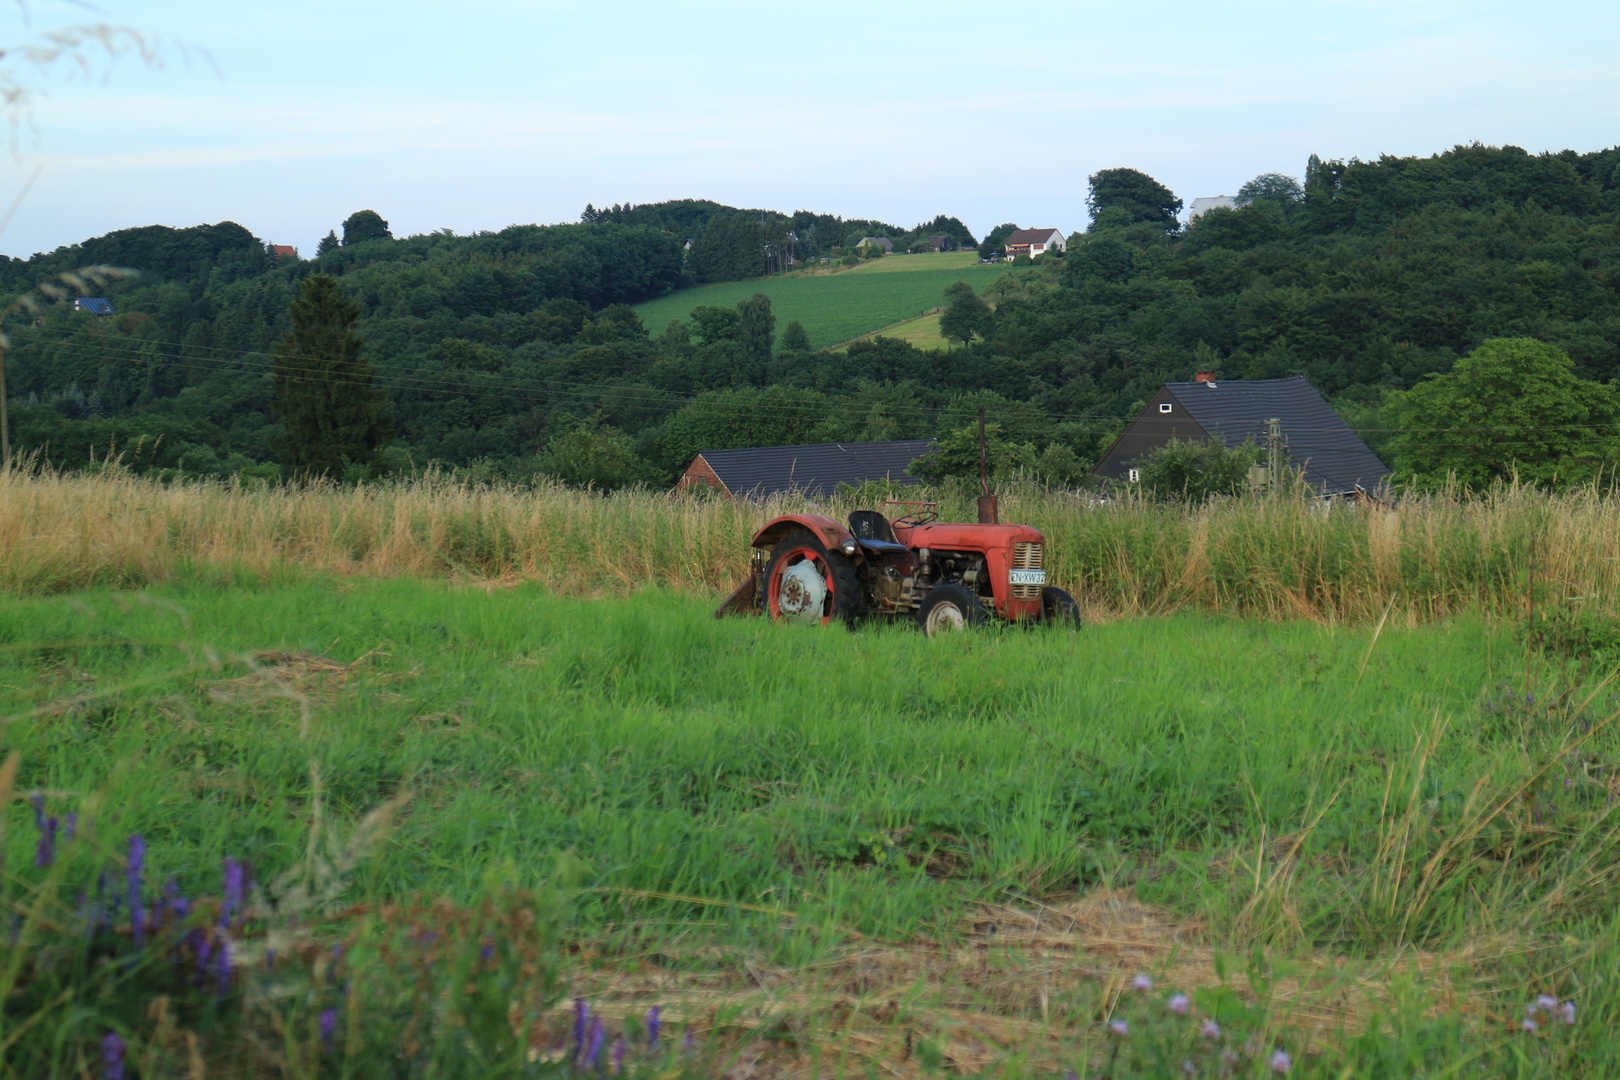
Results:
[1164, 406]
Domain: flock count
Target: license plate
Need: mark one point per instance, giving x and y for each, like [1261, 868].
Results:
[1028, 577]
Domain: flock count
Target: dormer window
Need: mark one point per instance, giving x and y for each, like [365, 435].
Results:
[1164, 406]
[1136, 476]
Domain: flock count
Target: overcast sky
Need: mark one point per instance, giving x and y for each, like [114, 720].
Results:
[474, 117]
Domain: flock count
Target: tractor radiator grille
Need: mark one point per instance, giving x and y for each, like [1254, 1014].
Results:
[1027, 557]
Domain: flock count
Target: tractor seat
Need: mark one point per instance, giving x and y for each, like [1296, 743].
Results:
[870, 525]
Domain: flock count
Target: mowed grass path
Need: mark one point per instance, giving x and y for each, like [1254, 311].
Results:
[841, 305]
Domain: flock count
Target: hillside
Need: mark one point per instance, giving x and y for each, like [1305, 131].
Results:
[516, 353]
[837, 305]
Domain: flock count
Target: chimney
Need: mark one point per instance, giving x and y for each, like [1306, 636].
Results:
[1205, 377]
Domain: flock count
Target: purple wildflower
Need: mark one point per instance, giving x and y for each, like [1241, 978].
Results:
[653, 1025]
[112, 1057]
[1180, 1005]
[618, 1054]
[1142, 984]
[1568, 1011]
[45, 854]
[269, 959]
[1187, 1067]
[70, 825]
[582, 1016]
[1528, 1025]
[233, 892]
[593, 1053]
[132, 875]
[1071, 1075]
[328, 1025]
[1281, 1062]
[1120, 1028]
[223, 966]
[689, 1043]
[1210, 1030]
[203, 948]
[1546, 1003]
[487, 953]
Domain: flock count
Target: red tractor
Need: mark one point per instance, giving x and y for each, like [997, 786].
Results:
[808, 568]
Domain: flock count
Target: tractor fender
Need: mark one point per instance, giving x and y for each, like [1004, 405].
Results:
[829, 532]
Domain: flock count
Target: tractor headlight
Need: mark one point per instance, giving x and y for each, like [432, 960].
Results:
[850, 546]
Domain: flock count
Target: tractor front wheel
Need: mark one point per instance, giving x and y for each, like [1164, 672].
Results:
[947, 608]
[805, 583]
[1059, 609]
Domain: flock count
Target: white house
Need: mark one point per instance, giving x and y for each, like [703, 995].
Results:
[1033, 242]
[1207, 203]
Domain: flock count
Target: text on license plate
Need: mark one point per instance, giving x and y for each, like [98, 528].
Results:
[1027, 577]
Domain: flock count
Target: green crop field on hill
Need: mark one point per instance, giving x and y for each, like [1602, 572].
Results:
[837, 305]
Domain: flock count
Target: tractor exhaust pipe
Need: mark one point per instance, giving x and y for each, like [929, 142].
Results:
[987, 501]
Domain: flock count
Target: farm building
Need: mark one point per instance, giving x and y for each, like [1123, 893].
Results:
[95, 305]
[1033, 242]
[878, 242]
[815, 470]
[1316, 439]
[1205, 203]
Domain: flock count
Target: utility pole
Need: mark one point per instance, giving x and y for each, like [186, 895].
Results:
[5, 424]
[987, 501]
[1274, 453]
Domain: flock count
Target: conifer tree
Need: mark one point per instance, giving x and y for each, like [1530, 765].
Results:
[329, 242]
[334, 418]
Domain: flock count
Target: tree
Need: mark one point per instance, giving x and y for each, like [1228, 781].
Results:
[1194, 471]
[756, 327]
[956, 454]
[965, 314]
[334, 418]
[795, 338]
[714, 323]
[328, 243]
[1270, 187]
[1513, 406]
[602, 457]
[995, 240]
[1137, 193]
[363, 225]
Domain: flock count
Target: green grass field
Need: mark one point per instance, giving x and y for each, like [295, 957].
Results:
[821, 852]
[837, 305]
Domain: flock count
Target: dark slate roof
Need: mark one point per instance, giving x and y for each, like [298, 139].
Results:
[1030, 236]
[95, 305]
[1334, 458]
[816, 470]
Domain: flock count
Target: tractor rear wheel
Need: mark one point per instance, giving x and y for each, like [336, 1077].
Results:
[1059, 609]
[805, 583]
[948, 608]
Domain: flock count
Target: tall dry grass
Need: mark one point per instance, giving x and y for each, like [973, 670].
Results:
[1282, 558]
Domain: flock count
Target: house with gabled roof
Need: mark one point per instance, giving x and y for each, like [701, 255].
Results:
[1205, 203]
[878, 242]
[95, 305]
[815, 470]
[1316, 440]
[1033, 242]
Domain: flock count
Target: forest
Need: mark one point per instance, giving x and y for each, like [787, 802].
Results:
[514, 354]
